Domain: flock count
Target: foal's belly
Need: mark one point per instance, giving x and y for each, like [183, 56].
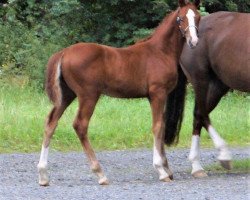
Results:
[125, 89]
[125, 79]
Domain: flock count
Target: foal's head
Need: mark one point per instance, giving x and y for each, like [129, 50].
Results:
[188, 21]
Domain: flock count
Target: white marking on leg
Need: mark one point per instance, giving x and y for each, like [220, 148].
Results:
[220, 144]
[194, 155]
[96, 168]
[43, 157]
[158, 164]
[42, 166]
[191, 26]
[103, 180]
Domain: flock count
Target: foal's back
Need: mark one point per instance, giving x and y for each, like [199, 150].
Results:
[119, 72]
[224, 48]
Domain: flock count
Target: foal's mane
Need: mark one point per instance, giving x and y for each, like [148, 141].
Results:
[161, 26]
[144, 39]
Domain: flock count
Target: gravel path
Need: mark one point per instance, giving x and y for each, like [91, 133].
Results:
[130, 172]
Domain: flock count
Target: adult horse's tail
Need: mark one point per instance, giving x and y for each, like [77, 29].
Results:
[174, 109]
[55, 86]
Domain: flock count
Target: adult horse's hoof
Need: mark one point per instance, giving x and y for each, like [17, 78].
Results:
[103, 181]
[199, 174]
[227, 164]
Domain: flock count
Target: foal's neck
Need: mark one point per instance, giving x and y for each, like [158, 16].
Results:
[167, 36]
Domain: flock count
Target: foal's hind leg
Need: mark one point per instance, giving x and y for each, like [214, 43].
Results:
[160, 163]
[86, 108]
[50, 127]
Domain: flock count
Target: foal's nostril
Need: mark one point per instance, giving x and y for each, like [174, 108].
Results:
[193, 42]
[190, 44]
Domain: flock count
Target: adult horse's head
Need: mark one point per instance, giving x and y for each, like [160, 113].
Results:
[188, 21]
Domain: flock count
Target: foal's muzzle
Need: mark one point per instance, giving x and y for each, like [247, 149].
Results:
[192, 42]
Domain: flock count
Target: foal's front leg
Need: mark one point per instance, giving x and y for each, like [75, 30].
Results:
[160, 163]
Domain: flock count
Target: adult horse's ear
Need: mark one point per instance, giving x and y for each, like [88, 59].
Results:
[197, 3]
[183, 2]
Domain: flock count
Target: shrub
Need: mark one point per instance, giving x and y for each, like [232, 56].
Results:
[22, 53]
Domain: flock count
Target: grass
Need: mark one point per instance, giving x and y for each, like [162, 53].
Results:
[239, 166]
[116, 123]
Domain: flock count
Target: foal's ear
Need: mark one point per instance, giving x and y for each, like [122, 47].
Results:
[197, 3]
[183, 2]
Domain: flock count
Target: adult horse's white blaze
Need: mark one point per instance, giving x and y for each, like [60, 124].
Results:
[194, 155]
[220, 144]
[193, 39]
[42, 166]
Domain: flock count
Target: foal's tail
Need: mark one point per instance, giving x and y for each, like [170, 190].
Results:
[174, 109]
[55, 86]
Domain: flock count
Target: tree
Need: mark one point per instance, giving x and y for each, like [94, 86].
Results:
[31, 30]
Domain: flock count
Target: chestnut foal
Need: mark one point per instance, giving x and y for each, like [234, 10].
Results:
[146, 69]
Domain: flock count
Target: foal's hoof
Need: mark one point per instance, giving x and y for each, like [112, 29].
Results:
[227, 164]
[167, 179]
[43, 177]
[103, 181]
[171, 177]
[43, 183]
[199, 174]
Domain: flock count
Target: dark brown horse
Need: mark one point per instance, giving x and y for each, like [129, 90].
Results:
[147, 69]
[221, 61]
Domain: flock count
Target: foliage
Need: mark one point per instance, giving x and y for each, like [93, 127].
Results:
[203, 11]
[21, 53]
[227, 5]
[32, 30]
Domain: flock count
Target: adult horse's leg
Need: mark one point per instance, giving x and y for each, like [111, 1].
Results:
[215, 90]
[50, 127]
[86, 107]
[160, 163]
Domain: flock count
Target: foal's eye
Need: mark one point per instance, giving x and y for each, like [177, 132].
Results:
[178, 19]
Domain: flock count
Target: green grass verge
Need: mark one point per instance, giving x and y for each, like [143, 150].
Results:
[239, 166]
[116, 123]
